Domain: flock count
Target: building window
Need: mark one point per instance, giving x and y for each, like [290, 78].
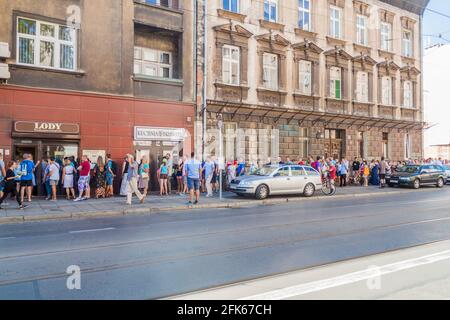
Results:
[361, 145]
[270, 66]
[385, 145]
[386, 36]
[153, 63]
[386, 91]
[408, 94]
[164, 3]
[304, 142]
[271, 10]
[407, 146]
[305, 77]
[46, 44]
[335, 83]
[304, 15]
[230, 65]
[362, 86]
[335, 22]
[407, 43]
[230, 142]
[231, 5]
[361, 30]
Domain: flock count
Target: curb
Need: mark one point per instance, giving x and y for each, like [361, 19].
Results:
[146, 210]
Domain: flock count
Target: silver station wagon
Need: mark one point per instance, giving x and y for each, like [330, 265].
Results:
[278, 180]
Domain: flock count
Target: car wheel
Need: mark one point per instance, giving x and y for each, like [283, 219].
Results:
[262, 192]
[416, 184]
[309, 190]
[440, 183]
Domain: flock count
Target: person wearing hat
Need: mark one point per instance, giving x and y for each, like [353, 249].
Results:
[163, 175]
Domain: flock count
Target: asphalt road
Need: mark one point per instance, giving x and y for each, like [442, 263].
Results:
[161, 255]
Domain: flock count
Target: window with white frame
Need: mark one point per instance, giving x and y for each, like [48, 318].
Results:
[231, 65]
[386, 91]
[304, 142]
[304, 15]
[164, 3]
[335, 83]
[386, 36]
[407, 43]
[270, 71]
[271, 10]
[231, 5]
[335, 22]
[407, 146]
[361, 30]
[305, 77]
[152, 63]
[362, 86]
[45, 44]
[408, 94]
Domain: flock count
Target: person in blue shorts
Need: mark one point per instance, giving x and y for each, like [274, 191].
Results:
[193, 170]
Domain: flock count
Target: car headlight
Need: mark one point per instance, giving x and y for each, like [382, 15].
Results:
[245, 183]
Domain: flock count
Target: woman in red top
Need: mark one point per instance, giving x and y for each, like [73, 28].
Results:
[332, 171]
[83, 180]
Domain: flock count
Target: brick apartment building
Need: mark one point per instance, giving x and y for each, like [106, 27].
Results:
[97, 77]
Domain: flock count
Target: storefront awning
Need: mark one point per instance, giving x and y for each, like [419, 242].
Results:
[312, 117]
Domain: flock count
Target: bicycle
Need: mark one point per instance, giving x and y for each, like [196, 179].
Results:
[328, 187]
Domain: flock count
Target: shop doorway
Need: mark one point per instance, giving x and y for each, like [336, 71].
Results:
[19, 151]
[155, 152]
[42, 150]
[334, 143]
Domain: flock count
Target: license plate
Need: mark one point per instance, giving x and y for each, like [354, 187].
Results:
[394, 181]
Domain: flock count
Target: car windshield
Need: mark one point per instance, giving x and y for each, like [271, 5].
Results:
[408, 169]
[264, 171]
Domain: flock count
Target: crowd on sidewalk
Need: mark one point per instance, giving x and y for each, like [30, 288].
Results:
[81, 179]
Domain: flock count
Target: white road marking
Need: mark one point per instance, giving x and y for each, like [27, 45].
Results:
[92, 230]
[7, 238]
[349, 278]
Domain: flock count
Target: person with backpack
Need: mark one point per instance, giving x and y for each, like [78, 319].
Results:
[111, 171]
[8, 183]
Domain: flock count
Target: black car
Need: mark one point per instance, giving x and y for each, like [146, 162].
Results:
[417, 176]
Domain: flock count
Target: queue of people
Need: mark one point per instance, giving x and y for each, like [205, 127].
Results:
[188, 176]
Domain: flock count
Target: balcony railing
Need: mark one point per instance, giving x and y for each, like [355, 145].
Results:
[170, 4]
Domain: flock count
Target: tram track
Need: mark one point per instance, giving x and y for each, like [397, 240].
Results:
[263, 244]
[225, 231]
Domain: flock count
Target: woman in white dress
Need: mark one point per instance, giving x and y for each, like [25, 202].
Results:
[124, 185]
[67, 179]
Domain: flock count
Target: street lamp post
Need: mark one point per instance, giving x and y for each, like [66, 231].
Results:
[221, 162]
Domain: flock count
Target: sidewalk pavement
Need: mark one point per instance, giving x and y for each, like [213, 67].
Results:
[40, 209]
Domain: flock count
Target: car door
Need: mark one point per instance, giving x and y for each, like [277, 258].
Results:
[280, 181]
[437, 172]
[299, 179]
[426, 174]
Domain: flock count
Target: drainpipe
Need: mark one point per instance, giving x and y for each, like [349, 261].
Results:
[194, 67]
[205, 40]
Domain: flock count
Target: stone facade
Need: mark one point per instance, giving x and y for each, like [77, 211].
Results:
[316, 117]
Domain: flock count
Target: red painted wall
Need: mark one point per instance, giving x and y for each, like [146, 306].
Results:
[106, 122]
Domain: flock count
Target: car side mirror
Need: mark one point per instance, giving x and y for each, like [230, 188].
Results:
[277, 174]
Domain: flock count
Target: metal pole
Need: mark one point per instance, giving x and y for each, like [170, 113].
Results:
[220, 125]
